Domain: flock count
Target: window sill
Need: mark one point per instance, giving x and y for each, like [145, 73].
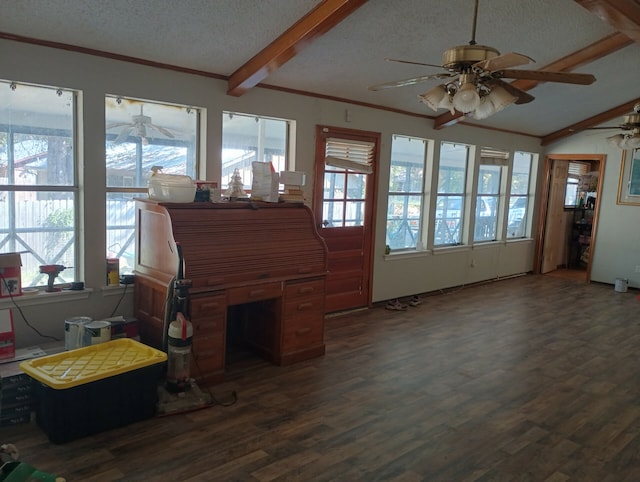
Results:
[43, 298]
[406, 254]
[452, 249]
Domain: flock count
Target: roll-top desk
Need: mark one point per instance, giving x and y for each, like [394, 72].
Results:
[258, 266]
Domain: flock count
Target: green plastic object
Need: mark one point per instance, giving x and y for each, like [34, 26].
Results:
[21, 472]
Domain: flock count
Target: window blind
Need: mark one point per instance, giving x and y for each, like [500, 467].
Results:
[352, 155]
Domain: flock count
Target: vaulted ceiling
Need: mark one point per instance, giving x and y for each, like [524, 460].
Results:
[337, 48]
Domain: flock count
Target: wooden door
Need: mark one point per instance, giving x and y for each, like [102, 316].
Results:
[555, 235]
[344, 198]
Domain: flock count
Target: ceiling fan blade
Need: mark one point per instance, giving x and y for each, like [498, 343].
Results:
[547, 76]
[412, 81]
[504, 61]
[413, 63]
[523, 97]
[118, 124]
[124, 133]
[162, 130]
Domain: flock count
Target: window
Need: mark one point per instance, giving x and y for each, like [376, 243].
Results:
[38, 179]
[347, 164]
[452, 176]
[406, 192]
[519, 195]
[248, 138]
[141, 134]
[489, 188]
[576, 170]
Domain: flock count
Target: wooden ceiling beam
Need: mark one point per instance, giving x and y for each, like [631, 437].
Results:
[598, 119]
[318, 21]
[590, 53]
[623, 15]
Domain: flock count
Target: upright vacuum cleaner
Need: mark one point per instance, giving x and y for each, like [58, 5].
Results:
[180, 393]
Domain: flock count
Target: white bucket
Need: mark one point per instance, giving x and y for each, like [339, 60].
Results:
[621, 285]
[96, 332]
[73, 332]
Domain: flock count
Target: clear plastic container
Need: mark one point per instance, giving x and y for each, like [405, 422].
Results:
[172, 188]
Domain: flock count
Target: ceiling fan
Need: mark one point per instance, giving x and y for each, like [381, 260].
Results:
[473, 82]
[631, 123]
[139, 126]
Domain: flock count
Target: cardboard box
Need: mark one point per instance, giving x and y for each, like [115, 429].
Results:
[295, 178]
[7, 336]
[11, 282]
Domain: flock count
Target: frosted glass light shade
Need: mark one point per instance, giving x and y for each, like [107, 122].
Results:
[485, 109]
[433, 97]
[466, 99]
[500, 98]
[633, 142]
[618, 141]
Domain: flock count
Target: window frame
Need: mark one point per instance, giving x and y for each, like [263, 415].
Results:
[124, 247]
[70, 271]
[460, 229]
[421, 195]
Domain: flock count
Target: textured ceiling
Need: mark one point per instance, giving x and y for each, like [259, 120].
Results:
[219, 36]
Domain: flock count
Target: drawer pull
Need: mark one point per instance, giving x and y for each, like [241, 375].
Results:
[306, 290]
[254, 293]
[304, 306]
[210, 306]
[201, 354]
[303, 331]
[304, 270]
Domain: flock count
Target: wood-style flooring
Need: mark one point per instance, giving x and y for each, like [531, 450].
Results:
[533, 378]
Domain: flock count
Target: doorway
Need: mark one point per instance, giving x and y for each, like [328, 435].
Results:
[566, 235]
[343, 205]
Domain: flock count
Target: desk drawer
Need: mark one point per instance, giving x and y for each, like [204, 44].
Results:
[302, 333]
[304, 307]
[208, 352]
[257, 292]
[208, 305]
[304, 289]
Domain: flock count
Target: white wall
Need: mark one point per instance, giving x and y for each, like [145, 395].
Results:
[617, 248]
[394, 276]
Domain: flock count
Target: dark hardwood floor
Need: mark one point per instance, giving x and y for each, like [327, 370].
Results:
[533, 378]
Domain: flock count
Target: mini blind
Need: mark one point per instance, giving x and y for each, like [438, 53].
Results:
[493, 157]
[352, 155]
[577, 169]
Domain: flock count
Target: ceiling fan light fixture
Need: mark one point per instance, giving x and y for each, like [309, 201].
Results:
[500, 98]
[485, 108]
[434, 97]
[618, 140]
[632, 142]
[467, 98]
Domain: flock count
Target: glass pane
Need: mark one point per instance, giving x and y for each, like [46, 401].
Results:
[489, 179]
[36, 125]
[448, 219]
[356, 186]
[452, 168]
[332, 214]
[121, 226]
[517, 217]
[486, 218]
[334, 185]
[403, 221]
[354, 215]
[142, 134]
[407, 164]
[45, 234]
[247, 138]
[521, 173]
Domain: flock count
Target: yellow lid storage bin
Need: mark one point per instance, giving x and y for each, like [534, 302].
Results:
[91, 363]
[95, 388]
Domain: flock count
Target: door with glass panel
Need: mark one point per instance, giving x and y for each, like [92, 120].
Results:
[344, 190]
